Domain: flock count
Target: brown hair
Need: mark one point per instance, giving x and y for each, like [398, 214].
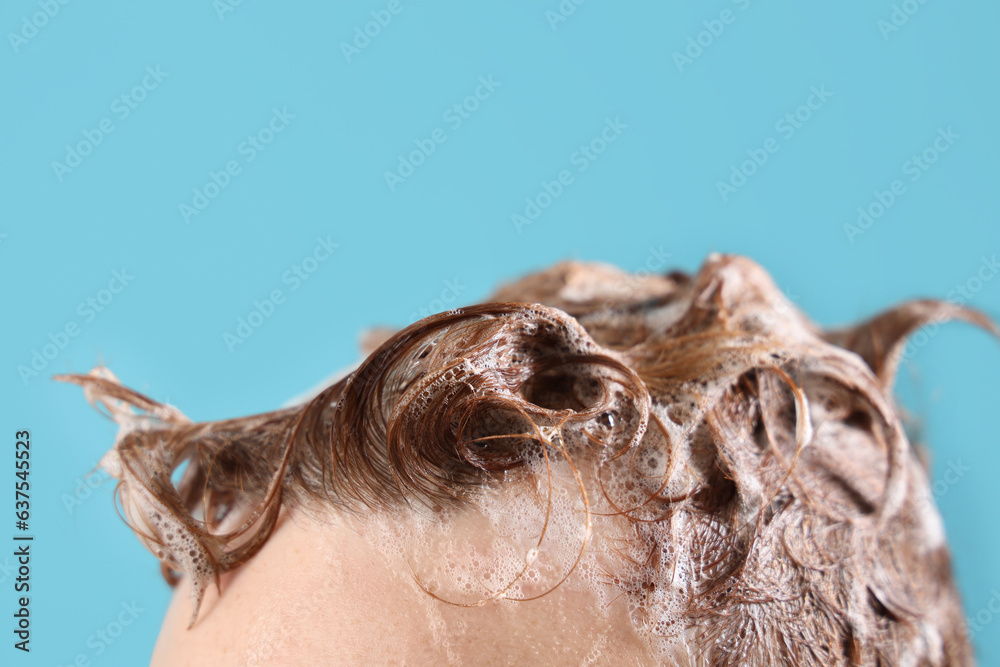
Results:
[758, 462]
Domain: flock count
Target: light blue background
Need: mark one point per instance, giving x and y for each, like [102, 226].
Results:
[654, 187]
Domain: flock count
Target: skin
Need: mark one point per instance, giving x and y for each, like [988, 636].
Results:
[321, 593]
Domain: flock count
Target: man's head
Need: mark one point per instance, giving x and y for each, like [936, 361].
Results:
[589, 466]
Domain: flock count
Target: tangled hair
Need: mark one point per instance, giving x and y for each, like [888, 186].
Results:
[769, 507]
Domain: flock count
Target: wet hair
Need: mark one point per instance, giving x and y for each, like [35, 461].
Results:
[767, 506]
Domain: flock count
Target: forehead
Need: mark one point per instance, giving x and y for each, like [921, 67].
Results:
[323, 592]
